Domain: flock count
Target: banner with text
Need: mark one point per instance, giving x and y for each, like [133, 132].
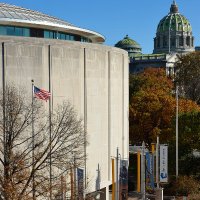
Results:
[163, 163]
[149, 170]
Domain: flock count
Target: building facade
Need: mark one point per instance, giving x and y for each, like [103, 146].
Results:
[174, 33]
[129, 45]
[173, 37]
[70, 61]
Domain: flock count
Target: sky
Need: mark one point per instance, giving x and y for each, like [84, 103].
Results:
[115, 19]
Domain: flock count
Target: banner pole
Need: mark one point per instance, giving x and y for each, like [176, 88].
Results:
[113, 179]
[138, 172]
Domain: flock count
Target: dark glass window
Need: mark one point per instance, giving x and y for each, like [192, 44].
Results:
[188, 41]
[51, 34]
[62, 36]
[71, 37]
[18, 31]
[158, 42]
[173, 41]
[164, 41]
[181, 41]
[26, 32]
[77, 38]
[36, 33]
[10, 30]
[3, 30]
[46, 34]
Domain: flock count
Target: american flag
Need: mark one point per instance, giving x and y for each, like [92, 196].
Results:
[41, 94]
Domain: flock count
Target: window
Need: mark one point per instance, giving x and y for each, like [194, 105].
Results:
[188, 41]
[10, 30]
[35, 32]
[3, 30]
[158, 42]
[164, 41]
[26, 32]
[18, 31]
[173, 41]
[181, 41]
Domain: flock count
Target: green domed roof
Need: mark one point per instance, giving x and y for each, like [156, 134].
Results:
[174, 21]
[127, 42]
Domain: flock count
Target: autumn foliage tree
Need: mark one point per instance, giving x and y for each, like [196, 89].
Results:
[152, 106]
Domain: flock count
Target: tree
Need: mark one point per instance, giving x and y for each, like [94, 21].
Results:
[187, 76]
[25, 154]
[151, 106]
[152, 112]
[189, 143]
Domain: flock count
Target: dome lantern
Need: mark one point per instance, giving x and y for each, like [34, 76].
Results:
[174, 7]
[174, 33]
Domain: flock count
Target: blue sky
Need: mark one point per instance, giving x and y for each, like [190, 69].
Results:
[116, 18]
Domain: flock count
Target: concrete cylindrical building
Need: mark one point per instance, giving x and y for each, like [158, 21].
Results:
[93, 77]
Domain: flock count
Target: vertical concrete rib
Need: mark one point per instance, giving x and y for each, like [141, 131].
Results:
[109, 120]
[50, 74]
[3, 68]
[50, 109]
[85, 115]
[123, 96]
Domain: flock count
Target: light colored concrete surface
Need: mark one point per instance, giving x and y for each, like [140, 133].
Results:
[94, 78]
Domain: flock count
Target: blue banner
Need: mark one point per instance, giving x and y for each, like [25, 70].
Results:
[80, 181]
[149, 170]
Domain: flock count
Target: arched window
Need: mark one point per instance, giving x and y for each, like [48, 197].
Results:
[173, 41]
[164, 41]
[158, 42]
[181, 41]
[188, 41]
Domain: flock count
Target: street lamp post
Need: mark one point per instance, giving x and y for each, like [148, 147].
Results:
[176, 131]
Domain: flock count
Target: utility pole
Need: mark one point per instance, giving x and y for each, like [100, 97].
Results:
[143, 184]
[176, 131]
[157, 162]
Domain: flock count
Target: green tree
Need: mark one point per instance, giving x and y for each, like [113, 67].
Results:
[187, 76]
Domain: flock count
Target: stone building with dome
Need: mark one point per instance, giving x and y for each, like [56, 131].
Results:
[130, 45]
[173, 37]
[174, 33]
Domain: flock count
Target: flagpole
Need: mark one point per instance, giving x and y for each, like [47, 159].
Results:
[33, 143]
[50, 134]
[50, 140]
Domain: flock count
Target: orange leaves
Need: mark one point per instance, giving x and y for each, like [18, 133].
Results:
[188, 106]
[153, 106]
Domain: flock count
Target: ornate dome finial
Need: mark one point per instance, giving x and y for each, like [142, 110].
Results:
[174, 7]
